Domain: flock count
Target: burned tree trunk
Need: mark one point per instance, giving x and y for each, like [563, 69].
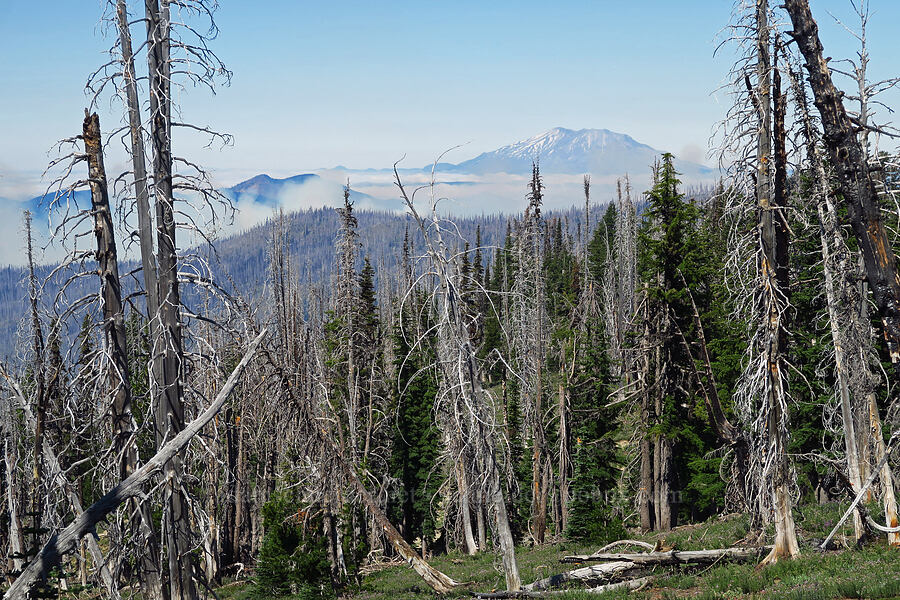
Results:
[111, 296]
[138, 161]
[115, 342]
[855, 182]
[167, 348]
[848, 155]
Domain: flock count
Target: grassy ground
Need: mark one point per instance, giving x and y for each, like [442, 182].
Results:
[873, 572]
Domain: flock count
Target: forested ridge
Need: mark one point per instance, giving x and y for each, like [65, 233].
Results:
[339, 391]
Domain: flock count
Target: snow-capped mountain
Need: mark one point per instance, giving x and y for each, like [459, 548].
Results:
[595, 151]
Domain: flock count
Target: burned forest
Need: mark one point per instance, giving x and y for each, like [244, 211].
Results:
[641, 384]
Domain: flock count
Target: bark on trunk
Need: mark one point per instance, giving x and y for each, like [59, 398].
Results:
[645, 491]
[168, 344]
[150, 554]
[563, 458]
[16, 540]
[139, 164]
[886, 478]
[480, 519]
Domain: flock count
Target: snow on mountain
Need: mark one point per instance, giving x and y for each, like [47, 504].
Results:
[595, 151]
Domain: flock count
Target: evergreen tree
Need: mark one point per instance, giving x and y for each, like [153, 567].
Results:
[416, 443]
[596, 459]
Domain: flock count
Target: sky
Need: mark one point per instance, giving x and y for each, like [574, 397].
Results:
[362, 84]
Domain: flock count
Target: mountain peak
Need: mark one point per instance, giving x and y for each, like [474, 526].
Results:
[562, 150]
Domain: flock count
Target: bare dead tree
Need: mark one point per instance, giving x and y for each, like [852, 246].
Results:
[754, 144]
[528, 322]
[468, 406]
[65, 541]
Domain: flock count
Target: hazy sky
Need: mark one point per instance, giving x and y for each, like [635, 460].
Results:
[360, 84]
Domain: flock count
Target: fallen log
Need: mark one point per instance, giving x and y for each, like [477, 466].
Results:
[629, 566]
[586, 557]
[66, 540]
[672, 557]
[605, 573]
[631, 584]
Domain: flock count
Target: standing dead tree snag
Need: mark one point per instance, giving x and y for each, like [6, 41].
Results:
[528, 314]
[470, 406]
[755, 145]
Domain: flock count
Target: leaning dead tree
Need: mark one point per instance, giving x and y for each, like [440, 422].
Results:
[855, 180]
[845, 142]
[463, 402]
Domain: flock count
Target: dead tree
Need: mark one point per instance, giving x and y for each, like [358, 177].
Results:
[529, 318]
[773, 257]
[36, 506]
[65, 541]
[9, 426]
[757, 267]
[855, 180]
[845, 141]
[469, 403]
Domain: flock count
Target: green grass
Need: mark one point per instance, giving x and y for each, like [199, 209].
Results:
[871, 572]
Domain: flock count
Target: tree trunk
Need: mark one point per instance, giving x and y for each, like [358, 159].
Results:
[10, 459]
[646, 489]
[886, 478]
[563, 459]
[538, 497]
[333, 543]
[464, 509]
[150, 556]
[168, 344]
[138, 161]
[480, 519]
[773, 269]
[36, 505]
[662, 445]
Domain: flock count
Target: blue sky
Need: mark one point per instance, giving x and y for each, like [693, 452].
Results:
[317, 84]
